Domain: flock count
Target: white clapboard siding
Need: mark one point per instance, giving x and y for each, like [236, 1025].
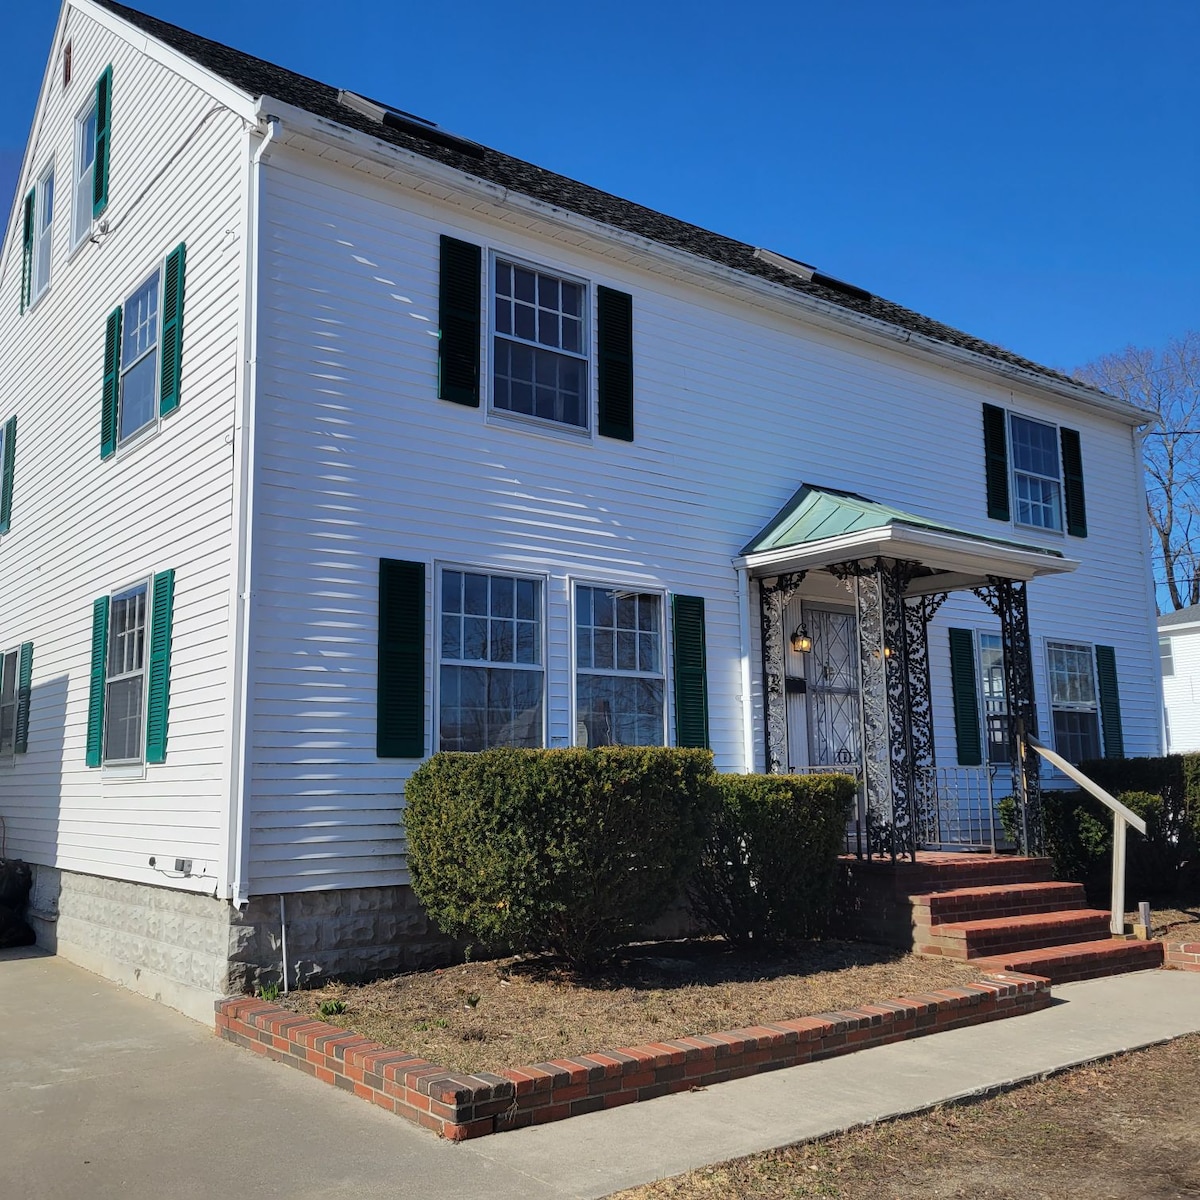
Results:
[82, 527]
[1181, 691]
[736, 406]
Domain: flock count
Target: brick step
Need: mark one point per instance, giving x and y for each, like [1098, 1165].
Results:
[981, 903]
[1081, 960]
[1007, 935]
[953, 872]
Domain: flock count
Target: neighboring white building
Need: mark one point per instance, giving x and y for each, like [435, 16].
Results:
[1179, 650]
[331, 439]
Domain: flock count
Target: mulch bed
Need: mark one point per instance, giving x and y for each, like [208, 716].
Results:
[484, 1016]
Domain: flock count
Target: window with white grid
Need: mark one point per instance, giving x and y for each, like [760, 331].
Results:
[1037, 483]
[1073, 702]
[85, 166]
[491, 681]
[539, 345]
[139, 360]
[619, 683]
[125, 676]
[995, 701]
[43, 228]
[8, 703]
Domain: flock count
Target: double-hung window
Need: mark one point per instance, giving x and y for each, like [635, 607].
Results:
[131, 674]
[539, 345]
[85, 173]
[995, 700]
[1166, 657]
[8, 703]
[619, 683]
[1037, 484]
[491, 681]
[1073, 700]
[136, 405]
[125, 686]
[43, 229]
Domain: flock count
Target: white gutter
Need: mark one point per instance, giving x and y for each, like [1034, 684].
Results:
[946, 552]
[237, 848]
[820, 312]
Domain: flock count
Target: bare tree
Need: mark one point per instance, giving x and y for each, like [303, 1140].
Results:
[1166, 380]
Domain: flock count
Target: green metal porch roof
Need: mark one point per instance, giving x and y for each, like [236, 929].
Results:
[814, 514]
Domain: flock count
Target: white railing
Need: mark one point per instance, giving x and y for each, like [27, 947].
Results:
[1122, 818]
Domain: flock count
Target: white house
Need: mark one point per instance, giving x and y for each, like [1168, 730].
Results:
[1179, 651]
[332, 439]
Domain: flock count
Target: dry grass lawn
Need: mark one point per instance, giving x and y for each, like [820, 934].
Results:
[1128, 1129]
[482, 1016]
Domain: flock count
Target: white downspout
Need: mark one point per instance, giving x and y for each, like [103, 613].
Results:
[244, 478]
[744, 653]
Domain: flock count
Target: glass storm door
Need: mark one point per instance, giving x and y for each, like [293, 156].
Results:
[834, 730]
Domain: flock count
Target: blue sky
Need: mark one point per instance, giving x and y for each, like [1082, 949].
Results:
[1027, 172]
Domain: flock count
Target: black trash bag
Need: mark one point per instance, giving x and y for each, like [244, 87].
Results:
[15, 881]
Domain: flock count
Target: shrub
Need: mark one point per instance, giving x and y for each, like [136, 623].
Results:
[1165, 792]
[571, 851]
[770, 860]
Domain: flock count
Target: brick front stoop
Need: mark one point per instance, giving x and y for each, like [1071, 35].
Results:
[460, 1106]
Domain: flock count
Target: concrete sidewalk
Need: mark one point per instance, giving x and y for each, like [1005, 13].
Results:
[106, 1094]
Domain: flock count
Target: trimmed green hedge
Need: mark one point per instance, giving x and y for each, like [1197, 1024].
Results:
[769, 864]
[1165, 792]
[572, 851]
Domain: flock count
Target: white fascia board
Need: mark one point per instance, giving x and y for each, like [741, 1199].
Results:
[1182, 627]
[954, 554]
[237, 101]
[781, 299]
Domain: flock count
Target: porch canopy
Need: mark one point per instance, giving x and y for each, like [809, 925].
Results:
[896, 569]
[820, 527]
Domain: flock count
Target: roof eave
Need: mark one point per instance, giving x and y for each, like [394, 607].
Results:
[820, 312]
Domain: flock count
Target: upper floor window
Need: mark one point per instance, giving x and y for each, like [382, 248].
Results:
[1037, 485]
[539, 345]
[85, 172]
[1166, 658]
[139, 360]
[619, 684]
[43, 228]
[491, 681]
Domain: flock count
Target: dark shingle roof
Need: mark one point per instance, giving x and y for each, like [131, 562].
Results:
[1184, 616]
[258, 77]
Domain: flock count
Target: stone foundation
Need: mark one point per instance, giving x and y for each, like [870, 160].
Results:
[187, 950]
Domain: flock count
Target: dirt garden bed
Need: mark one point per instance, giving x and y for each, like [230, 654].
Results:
[485, 1016]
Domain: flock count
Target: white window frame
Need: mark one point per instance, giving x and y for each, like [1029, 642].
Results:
[1073, 706]
[1014, 471]
[152, 425]
[542, 668]
[1166, 652]
[574, 584]
[128, 767]
[1001, 758]
[43, 235]
[586, 357]
[10, 701]
[81, 209]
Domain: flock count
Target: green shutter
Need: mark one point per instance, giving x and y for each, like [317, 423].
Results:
[112, 384]
[172, 330]
[27, 250]
[614, 379]
[1072, 461]
[1110, 702]
[103, 142]
[158, 691]
[400, 690]
[95, 722]
[7, 467]
[458, 318]
[995, 453]
[691, 671]
[24, 688]
[966, 698]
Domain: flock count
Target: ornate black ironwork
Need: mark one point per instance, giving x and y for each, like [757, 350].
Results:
[918, 612]
[1008, 599]
[876, 755]
[774, 596]
[894, 577]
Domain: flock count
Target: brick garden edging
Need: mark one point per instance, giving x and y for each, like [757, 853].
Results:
[460, 1106]
[1181, 956]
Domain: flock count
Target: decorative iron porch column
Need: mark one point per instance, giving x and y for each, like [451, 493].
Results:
[1008, 599]
[774, 596]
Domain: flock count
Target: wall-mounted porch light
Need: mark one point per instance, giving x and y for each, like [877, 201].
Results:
[801, 643]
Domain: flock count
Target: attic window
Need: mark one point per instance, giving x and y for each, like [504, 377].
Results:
[410, 123]
[66, 64]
